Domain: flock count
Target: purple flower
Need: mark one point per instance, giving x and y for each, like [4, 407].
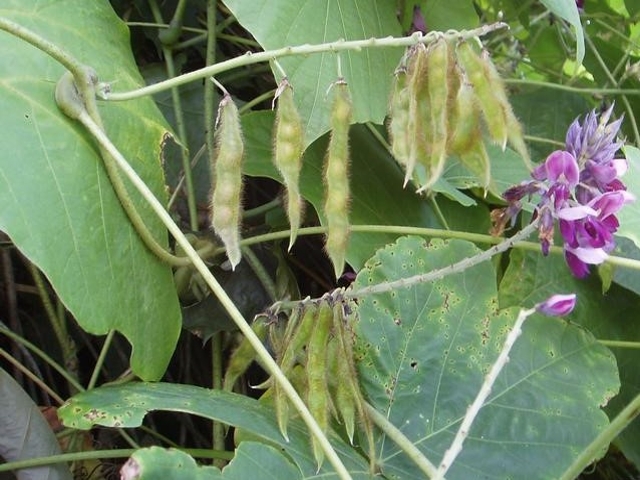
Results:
[559, 167]
[588, 230]
[581, 189]
[557, 305]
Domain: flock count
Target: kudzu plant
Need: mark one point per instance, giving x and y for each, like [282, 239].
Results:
[399, 350]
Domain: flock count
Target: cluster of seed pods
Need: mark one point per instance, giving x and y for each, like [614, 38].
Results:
[441, 93]
[315, 351]
[288, 147]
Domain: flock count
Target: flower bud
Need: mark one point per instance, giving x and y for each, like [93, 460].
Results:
[557, 305]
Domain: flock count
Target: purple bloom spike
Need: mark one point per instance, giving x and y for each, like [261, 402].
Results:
[580, 187]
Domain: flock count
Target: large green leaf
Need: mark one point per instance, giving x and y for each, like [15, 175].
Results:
[250, 457]
[126, 406]
[426, 349]
[531, 278]
[281, 23]
[56, 202]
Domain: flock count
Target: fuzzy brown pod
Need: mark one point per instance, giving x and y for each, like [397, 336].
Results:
[226, 201]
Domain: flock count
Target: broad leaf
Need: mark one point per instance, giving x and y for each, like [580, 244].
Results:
[369, 72]
[126, 406]
[568, 10]
[531, 278]
[25, 433]
[250, 457]
[56, 202]
[426, 349]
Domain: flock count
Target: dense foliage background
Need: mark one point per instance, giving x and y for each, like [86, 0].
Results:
[84, 302]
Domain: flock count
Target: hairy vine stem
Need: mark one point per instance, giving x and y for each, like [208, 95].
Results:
[448, 270]
[250, 58]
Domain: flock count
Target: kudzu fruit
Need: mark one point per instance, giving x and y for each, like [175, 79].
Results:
[486, 92]
[318, 399]
[420, 136]
[492, 98]
[288, 146]
[437, 67]
[465, 140]
[296, 337]
[398, 124]
[336, 175]
[243, 355]
[226, 202]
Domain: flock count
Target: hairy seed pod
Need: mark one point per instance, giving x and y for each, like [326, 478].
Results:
[295, 339]
[288, 146]
[465, 140]
[226, 202]
[343, 332]
[488, 93]
[336, 174]
[398, 124]
[318, 399]
[339, 380]
[243, 355]
[437, 64]
[514, 128]
[419, 109]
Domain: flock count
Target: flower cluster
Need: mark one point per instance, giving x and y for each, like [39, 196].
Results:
[579, 187]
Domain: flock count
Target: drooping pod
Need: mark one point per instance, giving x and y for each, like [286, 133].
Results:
[226, 201]
[288, 145]
[336, 175]
[491, 96]
[296, 337]
[243, 355]
[318, 398]
[398, 124]
[437, 65]
[465, 139]
[492, 110]
[348, 396]
[420, 136]
[514, 128]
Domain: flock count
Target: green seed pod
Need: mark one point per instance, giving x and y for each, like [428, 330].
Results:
[296, 337]
[226, 202]
[465, 140]
[243, 355]
[350, 385]
[514, 128]
[343, 395]
[437, 64]
[420, 136]
[398, 124]
[288, 146]
[336, 174]
[318, 399]
[489, 95]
